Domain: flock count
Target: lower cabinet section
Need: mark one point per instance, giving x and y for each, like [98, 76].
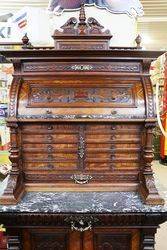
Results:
[96, 239]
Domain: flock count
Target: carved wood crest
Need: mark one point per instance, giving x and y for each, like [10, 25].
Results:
[90, 31]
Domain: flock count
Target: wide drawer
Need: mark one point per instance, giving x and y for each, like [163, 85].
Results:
[77, 178]
[69, 128]
[73, 165]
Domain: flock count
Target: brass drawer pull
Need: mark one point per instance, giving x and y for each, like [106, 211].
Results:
[50, 127]
[81, 226]
[50, 138]
[50, 148]
[82, 67]
[113, 127]
[50, 167]
[81, 178]
[50, 157]
[81, 147]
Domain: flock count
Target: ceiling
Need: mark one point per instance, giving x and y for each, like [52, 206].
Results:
[152, 26]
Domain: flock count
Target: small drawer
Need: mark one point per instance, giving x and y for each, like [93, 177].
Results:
[48, 166]
[51, 138]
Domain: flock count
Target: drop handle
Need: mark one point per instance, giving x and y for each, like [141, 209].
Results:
[81, 226]
[51, 167]
[50, 149]
[81, 178]
[50, 127]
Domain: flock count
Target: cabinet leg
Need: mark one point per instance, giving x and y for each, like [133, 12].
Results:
[14, 243]
[148, 239]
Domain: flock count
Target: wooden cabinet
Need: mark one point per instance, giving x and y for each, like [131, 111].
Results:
[81, 115]
[82, 118]
[97, 239]
[104, 231]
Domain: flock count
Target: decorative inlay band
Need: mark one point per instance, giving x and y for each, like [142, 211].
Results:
[112, 116]
[98, 67]
[150, 107]
[81, 147]
[114, 95]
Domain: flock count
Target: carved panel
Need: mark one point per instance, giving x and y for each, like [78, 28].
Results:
[81, 99]
[92, 67]
[150, 98]
[104, 220]
[42, 95]
[112, 241]
[49, 240]
[14, 96]
[84, 46]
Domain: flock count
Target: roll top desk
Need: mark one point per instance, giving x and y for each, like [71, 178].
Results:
[81, 116]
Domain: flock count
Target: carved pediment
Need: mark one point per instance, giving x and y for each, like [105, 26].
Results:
[75, 31]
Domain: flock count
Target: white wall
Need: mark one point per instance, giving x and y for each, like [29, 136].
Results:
[41, 25]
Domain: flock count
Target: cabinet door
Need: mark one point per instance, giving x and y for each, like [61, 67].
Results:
[111, 239]
[51, 239]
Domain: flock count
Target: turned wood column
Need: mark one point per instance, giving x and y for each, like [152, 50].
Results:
[148, 239]
[148, 190]
[14, 243]
[15, 187]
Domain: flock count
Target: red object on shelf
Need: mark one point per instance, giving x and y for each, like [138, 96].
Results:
[163, 141]
[3, 241]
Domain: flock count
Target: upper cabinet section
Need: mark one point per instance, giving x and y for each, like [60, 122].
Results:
[81, 78]
[81, 98]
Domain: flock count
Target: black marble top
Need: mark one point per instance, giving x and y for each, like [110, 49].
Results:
[83, 202]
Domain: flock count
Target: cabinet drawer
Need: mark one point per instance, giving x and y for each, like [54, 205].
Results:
[59, 139]
[81, 180]
[49, 166]
[50, 157]
[49, 128]
[103, 153]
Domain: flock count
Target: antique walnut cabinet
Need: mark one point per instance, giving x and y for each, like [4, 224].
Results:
[81, 117]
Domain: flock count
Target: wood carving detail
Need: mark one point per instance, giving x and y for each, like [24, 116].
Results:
[148, 239]
[82, 46]
[118, 95]
[49, 240]
[149, 190]
[112, 241]
[92, 67]
[150, 104]
[83, 35]
[52, 219]
[14, 97]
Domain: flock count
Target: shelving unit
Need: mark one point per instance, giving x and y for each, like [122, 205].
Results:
[6, 71]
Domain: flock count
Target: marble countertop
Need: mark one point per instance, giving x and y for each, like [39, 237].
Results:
[83, 202]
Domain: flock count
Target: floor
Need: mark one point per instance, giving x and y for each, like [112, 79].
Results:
[161, 179]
